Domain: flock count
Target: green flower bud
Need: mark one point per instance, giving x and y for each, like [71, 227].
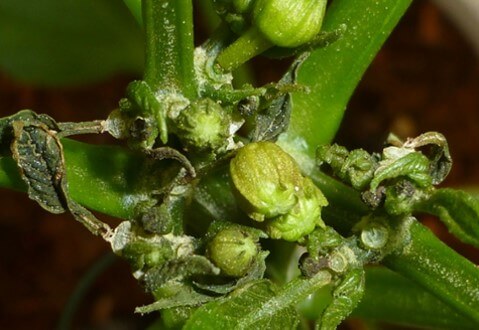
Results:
[289, 23]
[266, 180]
[233, 251]
[204, 125]
[303, 218]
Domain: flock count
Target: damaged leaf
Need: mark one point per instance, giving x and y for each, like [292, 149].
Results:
[6, 128]
[438, 153]
[270, 122]
[39, 156]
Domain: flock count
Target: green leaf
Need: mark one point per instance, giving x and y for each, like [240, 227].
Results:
[55, 42]
[257, 305]
[458, 210]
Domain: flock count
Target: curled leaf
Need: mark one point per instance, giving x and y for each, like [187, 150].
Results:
[412, 165]
[439, 156]
[39, 155]
[6, 128]
[346, 297]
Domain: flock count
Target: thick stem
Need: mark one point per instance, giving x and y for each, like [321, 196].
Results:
[392, 298]
[169, 46]
[447, 275]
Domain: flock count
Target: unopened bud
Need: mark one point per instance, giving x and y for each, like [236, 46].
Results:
[233, 251]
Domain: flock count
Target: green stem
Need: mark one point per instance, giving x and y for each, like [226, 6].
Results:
[247, 46]
[102, 178]
[333, 72]
[169, 46]
[392, 298]
[425, 260]
[447, 275]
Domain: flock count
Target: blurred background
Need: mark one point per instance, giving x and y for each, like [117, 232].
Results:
[425, 78]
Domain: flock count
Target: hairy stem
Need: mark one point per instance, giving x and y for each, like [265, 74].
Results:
[447, 275]
[392, 298]
[169, 46]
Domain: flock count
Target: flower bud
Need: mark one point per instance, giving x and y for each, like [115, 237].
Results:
[302, 218]
[266, 180]
[203, 125]
[233, 251]
[289, 23]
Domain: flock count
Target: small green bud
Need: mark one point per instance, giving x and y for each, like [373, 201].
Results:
[204, 125]
[374, 236]
[233, 251]
[303, 218]
[338, 262]
[266, 180]
[289, 23]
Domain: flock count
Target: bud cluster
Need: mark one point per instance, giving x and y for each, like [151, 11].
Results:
[271, 189]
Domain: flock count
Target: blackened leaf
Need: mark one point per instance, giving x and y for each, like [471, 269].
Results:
[257, 305]
[6, 128]
[39, 156]
[458, 210]
[274, 120]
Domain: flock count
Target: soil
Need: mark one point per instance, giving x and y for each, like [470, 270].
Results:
[426, 78]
